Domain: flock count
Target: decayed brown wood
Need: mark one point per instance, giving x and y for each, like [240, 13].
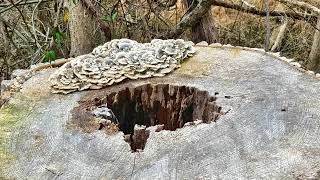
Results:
[164, 106]
[151, 105]
[139, 138]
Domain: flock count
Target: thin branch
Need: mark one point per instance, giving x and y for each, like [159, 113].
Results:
[167, 4]
[255, 11]
[56, 21]
[23, 3]
[96, 12]
[302, 5]
[17, 32]
[22, 15]
[33, 25]
[156, 14]
[268, 29]
[126, 22]
[8, 6]
[191, 18]
[232, 27]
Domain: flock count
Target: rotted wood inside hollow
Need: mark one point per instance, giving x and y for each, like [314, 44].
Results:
[148, 105]
[151, 105]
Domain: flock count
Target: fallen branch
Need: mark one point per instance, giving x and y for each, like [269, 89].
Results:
[203, 6]
[255, 11]
[189, 19]
[302, 5]
[56, 63]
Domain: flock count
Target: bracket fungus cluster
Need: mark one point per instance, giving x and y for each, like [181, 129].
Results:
[118, 60]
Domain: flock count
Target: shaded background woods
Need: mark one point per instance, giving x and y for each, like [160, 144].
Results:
[34, 31]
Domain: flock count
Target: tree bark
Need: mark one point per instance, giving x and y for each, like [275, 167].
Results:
[205, 29]
[2, 51]
[313, 62]
[84, 31]
[5, 64]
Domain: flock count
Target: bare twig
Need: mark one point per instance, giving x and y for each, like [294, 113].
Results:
[23, 3]
[8, 6]
[255, 11]
[33, 25]
[19, 34]
[233, 25]
[96, 12]
[167, 4]
[126, 22]
[268, 30]
[190, 19]
[302, 5]
[203, 6]
[56, 21]
[157, 14]
[23, 17]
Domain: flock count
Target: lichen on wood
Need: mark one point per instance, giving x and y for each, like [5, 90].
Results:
[12, 117]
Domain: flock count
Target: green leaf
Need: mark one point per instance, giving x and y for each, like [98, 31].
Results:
[50, 56]
[114, 16]
[106, 18]
[57, 36]
[75, 1]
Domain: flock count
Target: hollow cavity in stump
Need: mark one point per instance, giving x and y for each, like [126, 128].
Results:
[136, 108]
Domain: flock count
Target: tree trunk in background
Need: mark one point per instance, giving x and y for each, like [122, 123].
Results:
[205, 29]
[2, 50]
[313, 62]
[84, 31]
[44, 16]
[3, 58]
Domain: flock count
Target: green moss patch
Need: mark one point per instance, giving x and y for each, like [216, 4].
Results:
[12, 117]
